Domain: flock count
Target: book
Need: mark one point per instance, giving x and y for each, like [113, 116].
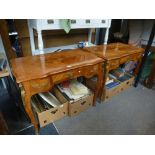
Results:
[109, 80]
[75, 91]
[78, 88]
[50, 99]
[124, 78]
[111, 85]
[118, 72]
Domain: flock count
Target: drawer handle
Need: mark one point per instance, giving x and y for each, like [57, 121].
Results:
[53, 112]
[50, 21]
[87, 21]
[73, 21]
[82, 103]
[103, 21]
[75, 112]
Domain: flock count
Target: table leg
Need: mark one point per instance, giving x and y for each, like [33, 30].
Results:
[99, 83]
[27, 104]
[29, 111]
[106, 72]
[137, 68]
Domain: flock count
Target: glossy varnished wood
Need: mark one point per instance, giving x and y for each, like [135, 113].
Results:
[114, 51]
[115, 54]
[32, 67]
[39, 73]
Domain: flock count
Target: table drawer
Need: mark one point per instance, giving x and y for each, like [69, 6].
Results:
[136, 57]
[40, 85]
[113, 64]
[87, 71]
[125, 59]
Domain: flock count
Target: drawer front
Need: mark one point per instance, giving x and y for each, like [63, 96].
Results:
[125, 59]
[49, 24]
[113, 64]
[52, 115]
[136, 57]
[75, 23]
[84, 71]
[40, 85]
[81, 105]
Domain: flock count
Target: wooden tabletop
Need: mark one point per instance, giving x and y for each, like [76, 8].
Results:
[113, 50]
[32, 67]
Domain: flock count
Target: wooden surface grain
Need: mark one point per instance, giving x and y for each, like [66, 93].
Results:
[39, 66]
[113, 50]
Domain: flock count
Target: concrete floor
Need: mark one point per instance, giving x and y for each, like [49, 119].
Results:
[131, 112]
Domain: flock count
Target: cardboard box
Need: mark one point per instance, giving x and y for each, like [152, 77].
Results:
[107, 94]
[81, 105]
[127, 83]
[53, 114]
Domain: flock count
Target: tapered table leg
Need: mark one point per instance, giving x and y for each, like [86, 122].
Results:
[99, 83]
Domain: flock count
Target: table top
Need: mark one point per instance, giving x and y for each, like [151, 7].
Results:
[39, 66]
[113, 50]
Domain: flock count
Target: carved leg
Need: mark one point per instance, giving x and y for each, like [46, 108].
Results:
[106, 72]
[99, 84]
[26, 96]
[30, 112]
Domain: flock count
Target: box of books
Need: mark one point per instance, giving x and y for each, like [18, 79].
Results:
[49, 106]
[78, 95]
[112, 87]
[126, 81]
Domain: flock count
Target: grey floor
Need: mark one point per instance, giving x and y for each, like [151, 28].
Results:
[131, 112]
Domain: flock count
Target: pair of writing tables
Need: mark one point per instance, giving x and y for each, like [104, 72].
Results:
[40, 73]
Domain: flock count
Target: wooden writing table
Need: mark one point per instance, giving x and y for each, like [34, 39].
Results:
[116, 54]
[39, 73]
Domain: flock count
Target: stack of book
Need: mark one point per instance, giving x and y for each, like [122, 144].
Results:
[73, 90]
[119, 72]
[110, 82]
[44, 101]
[120, 75]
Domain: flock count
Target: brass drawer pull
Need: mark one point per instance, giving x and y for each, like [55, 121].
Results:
[53, 112]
